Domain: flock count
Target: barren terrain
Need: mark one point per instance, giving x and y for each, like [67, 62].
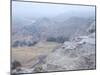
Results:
[28, 55]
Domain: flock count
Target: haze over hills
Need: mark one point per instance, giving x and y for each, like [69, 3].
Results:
[44, 28]
[52, 37]
[28, 22]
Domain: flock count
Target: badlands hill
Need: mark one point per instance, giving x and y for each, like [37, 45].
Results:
[75, 54]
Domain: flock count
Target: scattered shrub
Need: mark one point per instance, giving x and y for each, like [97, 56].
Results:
[31, 44]
[92, 30]
[15, 44]
[38, 69]
[23, 43]
[16, 64]
[58, 39]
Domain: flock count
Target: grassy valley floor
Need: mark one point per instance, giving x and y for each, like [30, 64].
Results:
[28, 56]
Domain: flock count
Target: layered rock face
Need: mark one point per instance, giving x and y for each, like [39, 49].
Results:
[74, 55]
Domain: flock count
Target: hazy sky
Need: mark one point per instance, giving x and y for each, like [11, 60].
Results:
[29, 9]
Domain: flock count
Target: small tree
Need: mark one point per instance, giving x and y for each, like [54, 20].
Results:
[16, 64]
[16, 43]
